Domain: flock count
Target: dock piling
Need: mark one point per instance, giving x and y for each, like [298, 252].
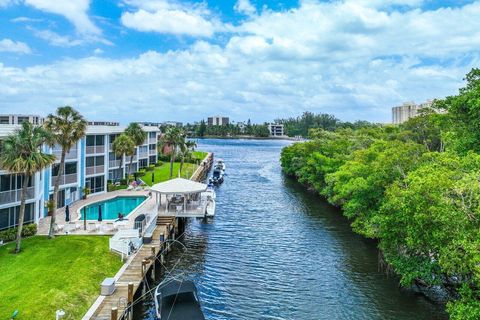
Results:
[114, 313]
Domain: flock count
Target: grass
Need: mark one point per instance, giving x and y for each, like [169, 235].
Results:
[61, 273]
[199, 155]
[162, 173]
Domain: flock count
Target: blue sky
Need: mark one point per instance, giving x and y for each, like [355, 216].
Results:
[134, 60]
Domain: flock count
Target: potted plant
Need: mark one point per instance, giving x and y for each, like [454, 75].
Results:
[50, 206]
[86, 192]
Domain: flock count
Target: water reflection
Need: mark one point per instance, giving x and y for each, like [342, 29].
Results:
[275, 251]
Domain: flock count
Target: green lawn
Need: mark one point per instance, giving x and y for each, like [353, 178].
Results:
[162, 173]
[199, 155]
[62, 273]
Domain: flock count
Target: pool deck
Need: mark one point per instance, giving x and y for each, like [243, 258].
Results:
[147, 207]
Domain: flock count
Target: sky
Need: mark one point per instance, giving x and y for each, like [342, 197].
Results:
[159, 60]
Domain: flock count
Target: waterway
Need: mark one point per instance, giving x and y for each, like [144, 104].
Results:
[277, 251]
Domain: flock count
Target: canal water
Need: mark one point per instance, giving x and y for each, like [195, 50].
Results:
[276, 251]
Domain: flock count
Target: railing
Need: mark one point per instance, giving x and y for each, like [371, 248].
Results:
[143, 154]
[95, 149]
[15, 195]
[152, 140]
[114, 163]
[65, 179]
[123, 240]
[94, 170]
[69, 156]
[152, 152]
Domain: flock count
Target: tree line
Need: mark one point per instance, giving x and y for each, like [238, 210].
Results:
[300, 126]
[413, 187]
[231, 130]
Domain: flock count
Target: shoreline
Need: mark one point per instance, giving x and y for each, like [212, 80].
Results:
[246, 137]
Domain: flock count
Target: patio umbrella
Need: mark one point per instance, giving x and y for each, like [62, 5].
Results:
[100, 213]
[67, 213]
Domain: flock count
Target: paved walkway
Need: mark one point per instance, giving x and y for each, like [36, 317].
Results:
[104, 227]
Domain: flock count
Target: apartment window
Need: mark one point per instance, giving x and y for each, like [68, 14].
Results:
[143, 163]
[9, 216]
[70, 168]
[152, 135]
[21, 120]
[95, 184]
[152, 147]
[95, 161]
[152, 159]
[93, 140]
[4, 120]
[10, 182]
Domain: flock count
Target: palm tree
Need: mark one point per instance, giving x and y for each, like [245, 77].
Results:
[172, 137]
[123, 146]
[186, 149]
[138, 136]
[22, 153]
[67, 126]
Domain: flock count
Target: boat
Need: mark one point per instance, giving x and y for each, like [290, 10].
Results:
[220, 165]
[217, 177]
[210, 208]
[210, 192]
[177, 300]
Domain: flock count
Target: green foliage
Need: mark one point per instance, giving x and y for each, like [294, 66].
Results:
[28, 230]
[414, 187]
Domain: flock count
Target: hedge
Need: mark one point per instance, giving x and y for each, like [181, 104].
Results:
[10, 234]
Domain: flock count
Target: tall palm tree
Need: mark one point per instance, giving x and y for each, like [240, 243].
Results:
[67, 126]
[186, 149]
[123, 146]
[138, 136]
[22, 153]
[172, 137]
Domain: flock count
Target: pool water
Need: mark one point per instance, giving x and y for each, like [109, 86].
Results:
[112, 207]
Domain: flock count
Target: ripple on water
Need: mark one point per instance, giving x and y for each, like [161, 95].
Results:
[274, 251]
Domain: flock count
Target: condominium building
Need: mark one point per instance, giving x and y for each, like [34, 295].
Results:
[276, 130]
[218, 121]
[91, 163]
[408, 110]
[20, 118]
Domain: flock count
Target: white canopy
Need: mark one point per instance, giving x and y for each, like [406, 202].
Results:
[179, 186]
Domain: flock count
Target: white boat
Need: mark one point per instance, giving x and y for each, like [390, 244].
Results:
[210, 209]
[220, 165]
[210, 192]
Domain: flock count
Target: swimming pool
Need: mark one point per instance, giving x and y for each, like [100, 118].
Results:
[112, 207]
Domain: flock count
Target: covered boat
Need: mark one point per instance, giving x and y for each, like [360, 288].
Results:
[178, 300]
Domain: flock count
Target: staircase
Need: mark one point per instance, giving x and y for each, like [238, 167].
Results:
[164, 220]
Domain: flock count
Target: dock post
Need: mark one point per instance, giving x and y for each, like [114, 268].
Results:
[130, 301]
[154, 259]
[114, 313]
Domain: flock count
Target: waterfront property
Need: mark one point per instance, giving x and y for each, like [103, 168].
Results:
[90, 164]
[408, 110]
[276, 130]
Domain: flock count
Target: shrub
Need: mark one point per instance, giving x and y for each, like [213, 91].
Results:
[123, 182]
[158, 164]
[10, 234]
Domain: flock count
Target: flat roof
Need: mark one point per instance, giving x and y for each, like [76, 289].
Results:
[116, 129]
[6, 129]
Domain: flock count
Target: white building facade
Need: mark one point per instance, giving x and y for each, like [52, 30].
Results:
[91, 163]
[276, 130]
[408, 110]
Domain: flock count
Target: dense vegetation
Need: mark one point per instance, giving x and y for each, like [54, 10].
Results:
[415, 188]
[300, 126]
[230, 130]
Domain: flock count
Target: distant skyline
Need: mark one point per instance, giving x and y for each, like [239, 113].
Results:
[170, 60]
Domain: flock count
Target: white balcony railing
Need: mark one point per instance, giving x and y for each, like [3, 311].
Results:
[94, 170]
[65, 179]
[69, 156]
[143, 154]
[15, 195]
[152, 152]
[114, 163]
[95, 149]
[152, 140]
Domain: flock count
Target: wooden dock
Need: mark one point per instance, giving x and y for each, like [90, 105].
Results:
[133, 272]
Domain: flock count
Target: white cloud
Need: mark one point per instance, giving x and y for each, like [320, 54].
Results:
[354, 60]
[55, 39]
[74, 10]
[169, 17]
[97, 51]
[245, 7]
[8, 45]
[6, 3]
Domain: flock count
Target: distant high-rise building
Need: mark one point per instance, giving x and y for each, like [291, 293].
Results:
[408, 110]
[218, 121]
[20, 118]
